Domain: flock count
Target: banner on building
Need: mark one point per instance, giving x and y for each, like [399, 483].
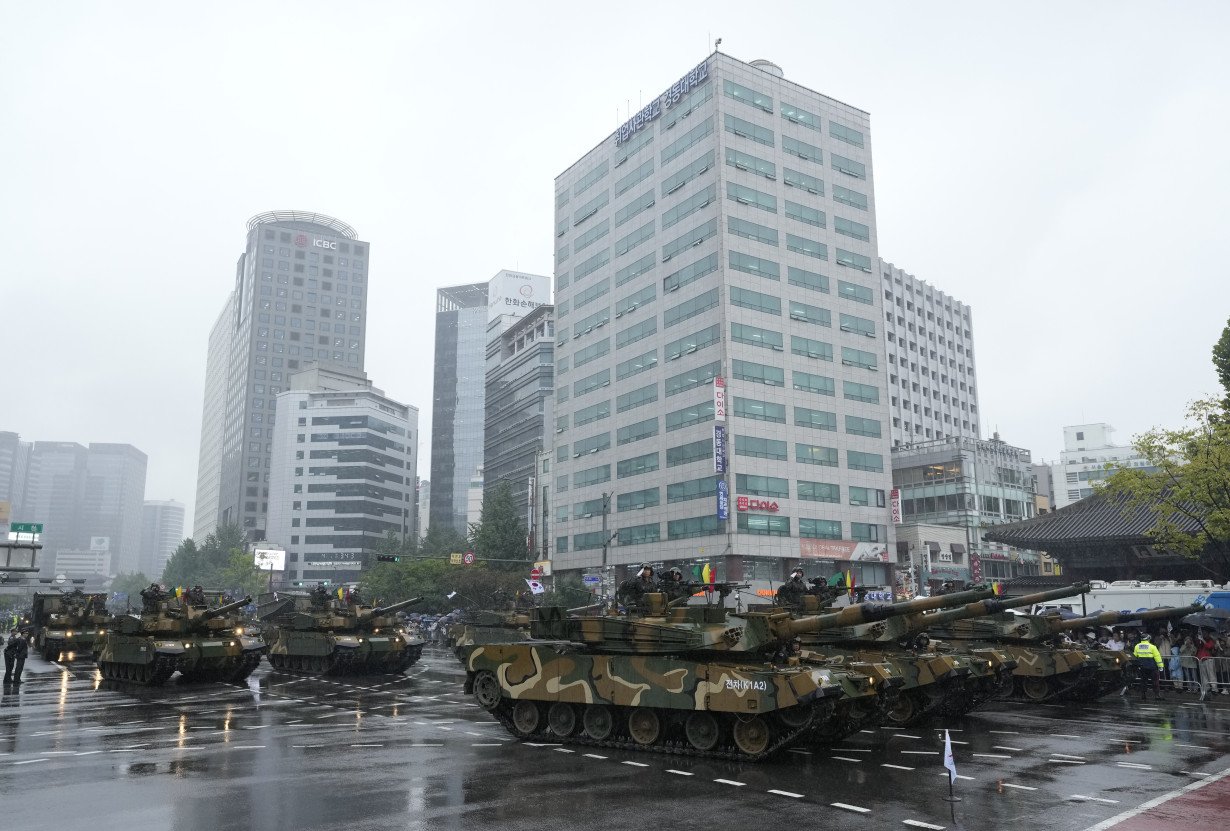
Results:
[719, 398]
[895, 502]
[843, 550]
[723, 500]
[975, 568]
[719, 448]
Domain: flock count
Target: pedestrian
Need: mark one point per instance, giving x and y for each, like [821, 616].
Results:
[1162, 641]
[1206, 651]
[1191, 669]
[1175, 667]
[18, 648]
[1148, 666]
[1116, 641]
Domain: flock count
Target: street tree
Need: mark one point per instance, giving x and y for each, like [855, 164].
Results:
[1221, 363]
[1186, 485]
[500, 532]
[204, 565]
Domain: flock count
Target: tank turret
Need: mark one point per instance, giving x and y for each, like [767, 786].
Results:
[333, 636]
[381, 611]
[991, 606]
[225, 609]
[1054, 625]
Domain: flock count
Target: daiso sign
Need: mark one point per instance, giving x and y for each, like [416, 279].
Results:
[744, 503]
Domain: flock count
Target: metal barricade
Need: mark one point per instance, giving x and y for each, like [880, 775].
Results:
[1214, 676]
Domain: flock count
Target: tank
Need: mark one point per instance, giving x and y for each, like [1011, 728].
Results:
[320, 634]
[932, 680]
[67, 623]
[696, 679]
[178, 635]
[1044, 669]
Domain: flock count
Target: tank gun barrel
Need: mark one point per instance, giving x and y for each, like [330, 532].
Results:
[394, 607]
[227, 608]
[873, 612]
[991, 606]
[1120, 618]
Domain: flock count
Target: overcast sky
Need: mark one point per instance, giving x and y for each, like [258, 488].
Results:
[1061, 167]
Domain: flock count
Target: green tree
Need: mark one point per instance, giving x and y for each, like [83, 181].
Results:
[1221, 363]
[568, 592]
[129, 585]
[500, 532]
[1186, 485]
[204, 565]
[442, 541]
[241, 573]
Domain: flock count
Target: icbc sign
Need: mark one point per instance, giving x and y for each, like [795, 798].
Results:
[324, 243]
[744, 503]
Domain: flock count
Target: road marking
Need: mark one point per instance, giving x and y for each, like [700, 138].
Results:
[1153, 803]
[954, 741]
[1066, 736]
[367, 745]
[800, 752]
[730, 782]
[302, 746]
[1001, 747]
[959, 776]
[1082, 798]
[1065, 762]
[636, 764]
[905, 736]
[1006, 732]
[29, 761]
[125, 750]
[1194, 773]
[88, 752]
[992, 755]
[679, 772]
[593, 756]
[895, 767]
[1134, 766]
[1017, 787]
[922, 752]
[853, 749]
[1068, 756]
[564, 750]
[247, 747]
[787, 793]
[485, 744]
[846, 758]
[540, 744]
[920, 824]
[847, 807]
[1196, 746]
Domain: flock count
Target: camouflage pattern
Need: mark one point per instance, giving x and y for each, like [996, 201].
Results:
[68, 622]
[201, 643]
[336, 637]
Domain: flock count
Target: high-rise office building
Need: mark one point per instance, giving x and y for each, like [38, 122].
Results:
[343, 468]
[1089, 456]
[162, 530]
[299, 297]
[463, 315]
[88, 499]
[14, 454]
[929, 342]
[719, 378]
[520, 389]
[423, 506]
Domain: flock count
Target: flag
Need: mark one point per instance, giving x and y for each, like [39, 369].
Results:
[341, 593]
[850, 582]
[451, 595]
[179, 591]
[948, 760]
[536, 586]
[706, 574]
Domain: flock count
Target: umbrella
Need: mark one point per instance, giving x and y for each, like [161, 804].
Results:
[1208, 619]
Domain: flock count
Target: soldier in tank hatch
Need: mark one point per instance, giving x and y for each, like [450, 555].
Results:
[632, 590]
[792, 591]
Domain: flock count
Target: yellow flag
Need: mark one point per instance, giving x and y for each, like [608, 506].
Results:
[179, 591]
[706, 574]
[340, 593]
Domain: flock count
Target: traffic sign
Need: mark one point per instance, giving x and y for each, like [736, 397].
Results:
[61, 578]
[535, 573]
[591, 580]
[26, 527]
[454, 558]
[468, 558]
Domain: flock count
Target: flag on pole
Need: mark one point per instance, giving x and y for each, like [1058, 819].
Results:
[341, 593]
[451, 595]
[948, 760]
[706, 574]
[536, 586]
[850, 582]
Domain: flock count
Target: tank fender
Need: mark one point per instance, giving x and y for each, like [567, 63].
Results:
[169, 647]
[249, 643]
[346, 641]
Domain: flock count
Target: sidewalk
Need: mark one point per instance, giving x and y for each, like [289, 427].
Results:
[1203, 805]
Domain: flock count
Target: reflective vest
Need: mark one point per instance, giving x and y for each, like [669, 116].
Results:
[1147, 650]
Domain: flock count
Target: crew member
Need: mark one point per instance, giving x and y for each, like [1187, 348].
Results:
[320, 596]
[151, 597]
[1148, 666]
[632, 590]
[790, 652]
[672, 585]
[792, 591]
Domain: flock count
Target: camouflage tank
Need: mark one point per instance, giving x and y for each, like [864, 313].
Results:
[68, 623]
[931, 680]
[1049, 665]
[694, 679]
[201, 643]
[1115, 668]
[323, 635]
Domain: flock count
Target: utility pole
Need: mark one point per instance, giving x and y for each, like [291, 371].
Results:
[606, 542]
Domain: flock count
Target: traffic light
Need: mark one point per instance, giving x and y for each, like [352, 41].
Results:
[388, 558]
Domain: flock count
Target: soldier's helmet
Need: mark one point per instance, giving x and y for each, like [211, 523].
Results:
[675, 574]
[646, 570]
[797, 571]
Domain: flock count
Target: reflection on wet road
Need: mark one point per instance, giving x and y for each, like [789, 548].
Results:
[415, 752]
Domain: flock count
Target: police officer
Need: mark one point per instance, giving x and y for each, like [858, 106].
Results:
[792, 591]
[15, 652]
[632, 590]
[1149, 666]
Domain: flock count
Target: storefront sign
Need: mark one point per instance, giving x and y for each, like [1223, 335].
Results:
[723, 499]
[745, 503]
[843, 550]
[895, 502]
[664, 101]
[719, 448]
[719, 398]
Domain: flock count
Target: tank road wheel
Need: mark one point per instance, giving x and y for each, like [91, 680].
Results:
[1036, 689]
[702, 730]
[904, 709]
[562, 719]
[526, 717]
[487, 690]
[795, 718]
[752, 735]
[644, 726]
[598, 722]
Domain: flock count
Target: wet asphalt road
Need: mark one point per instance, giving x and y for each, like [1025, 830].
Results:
[291, 752]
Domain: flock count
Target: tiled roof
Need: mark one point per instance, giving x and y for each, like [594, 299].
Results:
[1095, 519]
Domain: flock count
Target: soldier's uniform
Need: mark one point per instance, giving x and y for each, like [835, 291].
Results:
[15, 652]
[151, 597]
[792, 591]
[672, 585]
[632, 591]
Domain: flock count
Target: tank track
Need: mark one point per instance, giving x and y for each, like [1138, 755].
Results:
[151, 675]
[667, 744]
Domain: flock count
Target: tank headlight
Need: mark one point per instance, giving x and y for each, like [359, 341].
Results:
[187, 646]
[68, 634]
[239, 630]
[102, 631]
